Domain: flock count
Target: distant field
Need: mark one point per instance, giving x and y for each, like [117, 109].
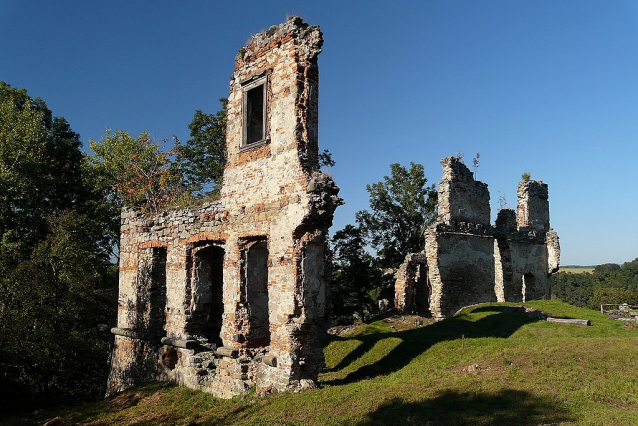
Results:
[576, 269]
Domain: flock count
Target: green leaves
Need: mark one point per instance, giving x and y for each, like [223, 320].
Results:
[56, 277]
[203, 158]
[135, 172]
[402, 206]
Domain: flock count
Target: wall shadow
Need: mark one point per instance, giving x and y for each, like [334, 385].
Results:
[506, 407]
[502, 324]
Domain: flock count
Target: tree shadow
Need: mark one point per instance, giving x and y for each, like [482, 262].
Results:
[414, 342]
[505, 407]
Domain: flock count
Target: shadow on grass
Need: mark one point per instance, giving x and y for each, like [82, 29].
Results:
[502, 324]
[506, 407]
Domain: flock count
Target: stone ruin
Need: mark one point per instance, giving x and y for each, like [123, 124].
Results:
[468, 261]
[232, 295]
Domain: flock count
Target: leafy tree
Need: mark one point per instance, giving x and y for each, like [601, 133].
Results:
[203, 158]
[40, 168]
[135, 171]
[575, 289]
[354, 274]
[56, 279]
[402, 206]
[51, 308]
[612, 295]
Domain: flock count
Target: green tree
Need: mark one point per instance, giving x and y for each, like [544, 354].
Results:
[135, 172]
[52, 305]
[354, 275]
[612, 295]
[56, 280]
[402, 206]
[575, 289]
[40, 168]
[203, 158]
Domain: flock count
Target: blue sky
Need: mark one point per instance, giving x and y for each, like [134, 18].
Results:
[547, 87]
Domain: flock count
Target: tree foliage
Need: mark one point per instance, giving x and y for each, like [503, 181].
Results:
[40, 168]
[203, 158]
[52, 305]
[54, 258]
[401, 207]
[135, 172]
[355, 275]
[609, 283]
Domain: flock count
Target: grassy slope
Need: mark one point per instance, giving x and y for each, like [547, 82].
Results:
[530, 372]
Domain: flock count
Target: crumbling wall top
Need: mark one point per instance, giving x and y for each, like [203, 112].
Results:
[533, 189]
[533, 205]
[294, 27]
[455, 170]
[462, 199]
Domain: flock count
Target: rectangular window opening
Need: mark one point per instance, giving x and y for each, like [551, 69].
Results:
[256, 280]
[254, 112]
[207, 296]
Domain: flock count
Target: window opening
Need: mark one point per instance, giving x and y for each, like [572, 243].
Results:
[528, 286]
[257, 294]
[423, 291]
[151, 293]
[207, 294]
[254, 112]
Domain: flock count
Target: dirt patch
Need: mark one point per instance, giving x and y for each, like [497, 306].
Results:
[124, 401]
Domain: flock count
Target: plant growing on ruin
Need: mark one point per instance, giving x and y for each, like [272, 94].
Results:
[502, 201]
[325, 159]
[526, 176]
[475, 163]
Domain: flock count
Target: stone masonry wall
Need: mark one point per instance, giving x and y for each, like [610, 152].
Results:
[267, 234]
[469, 261]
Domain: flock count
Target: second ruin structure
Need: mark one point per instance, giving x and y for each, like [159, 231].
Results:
[467, 260]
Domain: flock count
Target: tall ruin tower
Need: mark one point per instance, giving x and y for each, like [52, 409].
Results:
[231, 294]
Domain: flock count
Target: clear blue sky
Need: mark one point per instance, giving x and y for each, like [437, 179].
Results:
[548, 87]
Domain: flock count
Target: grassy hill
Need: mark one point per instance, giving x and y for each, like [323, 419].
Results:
[487, 366]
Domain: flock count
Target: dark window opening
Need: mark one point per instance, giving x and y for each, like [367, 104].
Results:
[254, 109]
[528, 287]
[422, 290]
[257, 294]
[207, 294]
[157, 293]
[151, 293]
[255, 115]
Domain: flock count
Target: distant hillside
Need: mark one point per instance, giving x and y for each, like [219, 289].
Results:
[607, 283]
[487, 366]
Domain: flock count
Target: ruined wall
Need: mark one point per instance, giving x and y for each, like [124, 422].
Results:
[459, 247]
[260, 248]
[413, 289]
[469, 261]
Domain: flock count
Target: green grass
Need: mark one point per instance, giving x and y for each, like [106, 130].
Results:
[529, 372]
